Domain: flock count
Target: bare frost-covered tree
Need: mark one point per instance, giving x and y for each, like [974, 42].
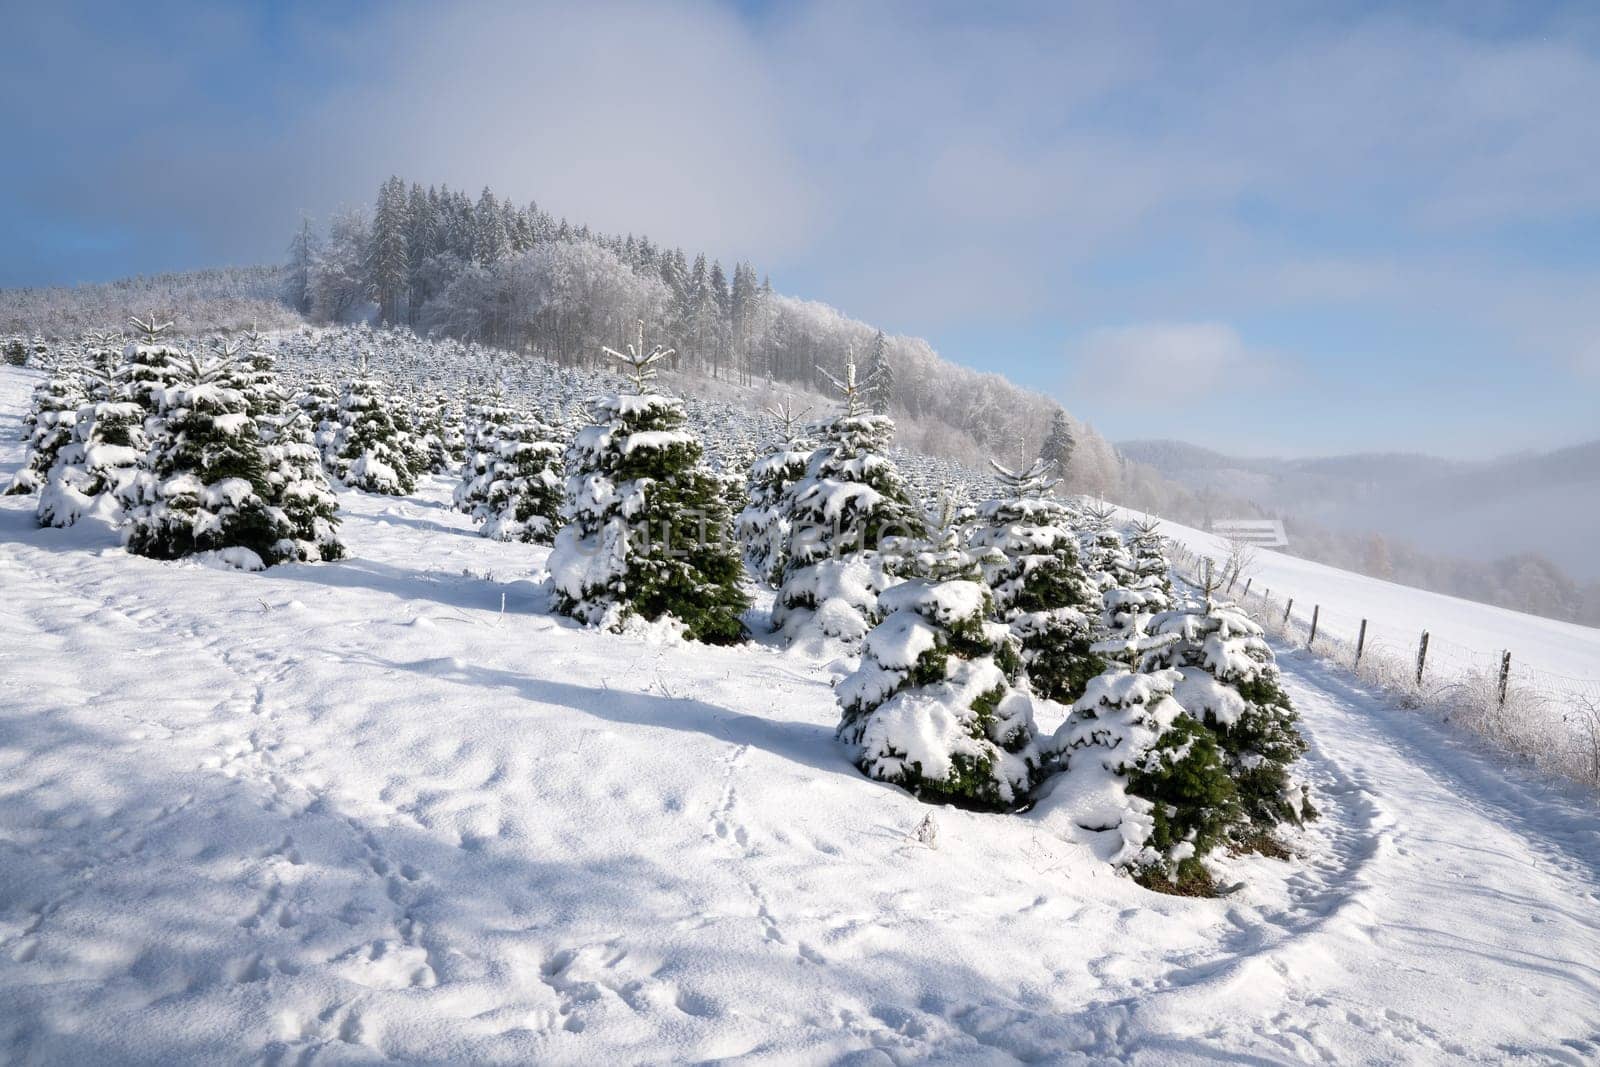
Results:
[1239, 563]
[340, 280]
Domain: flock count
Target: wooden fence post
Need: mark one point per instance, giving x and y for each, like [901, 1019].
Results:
[1246, 592]
[1505, 675]
[1286, 611]
[1316, 612]
[1422, 655]
[1361, 641]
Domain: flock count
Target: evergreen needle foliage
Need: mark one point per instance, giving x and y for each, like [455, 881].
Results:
[1169, 800]
[1229, 681]
[1030, 560]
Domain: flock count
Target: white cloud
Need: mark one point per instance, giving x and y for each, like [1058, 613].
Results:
[835, 132]
[1163, 362]
[626, 116]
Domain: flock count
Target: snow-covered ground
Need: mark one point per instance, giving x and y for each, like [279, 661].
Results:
[390, 809]
[1397, 614]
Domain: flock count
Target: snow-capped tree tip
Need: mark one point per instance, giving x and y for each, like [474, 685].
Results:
[852, 392]
[639, 362]
[150, 327]
[1032, 480]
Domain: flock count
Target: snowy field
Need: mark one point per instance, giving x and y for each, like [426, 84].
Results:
[389, 809]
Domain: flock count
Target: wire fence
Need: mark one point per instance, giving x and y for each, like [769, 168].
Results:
[1550, 718]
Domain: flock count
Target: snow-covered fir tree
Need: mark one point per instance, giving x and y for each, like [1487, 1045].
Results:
[482, 452]
[880, 376]
[423, 417]
[369, 451]
[732, 467]
[453, 431]
[1146, 779]
[1127, 609]
[108, 442]
[318, 400]
[763, 526]
[940, 554]
[851, 497]
[203, 485]
[1058, 443]
[1151, 568]
[49, 424]
[148, 371]
[1030, 560]
[647, 533]
[256, 374]
[1125, 615]
[102, 351]
[150, 366]
[408, 410]
[298, 487]
[1229, 681]
[388, 257]
[150, 330]
[1108, 562]
[931, 707]
[525, 485]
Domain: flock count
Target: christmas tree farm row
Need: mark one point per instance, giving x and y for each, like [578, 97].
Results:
[964, 612]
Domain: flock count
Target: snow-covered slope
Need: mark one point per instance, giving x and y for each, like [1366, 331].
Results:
[1547, 503]
[388, 809]
[1397, 614]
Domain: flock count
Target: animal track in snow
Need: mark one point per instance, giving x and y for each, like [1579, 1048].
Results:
[387, 965]
[301, 1038]
[271, 908]
[724, 823]
[586, 979]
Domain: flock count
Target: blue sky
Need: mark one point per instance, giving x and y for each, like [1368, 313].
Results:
[1268, 228]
